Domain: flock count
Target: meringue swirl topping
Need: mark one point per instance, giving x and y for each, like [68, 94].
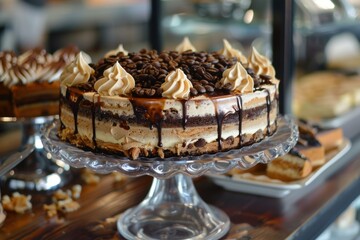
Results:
[116, 81]
[120, 48]
[176, 85]
[185, 45]
[239, 80]
[260, 64]
[230, 52]
[77, 72]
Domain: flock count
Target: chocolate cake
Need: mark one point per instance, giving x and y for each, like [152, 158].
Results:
[169, 103]
[29, 83]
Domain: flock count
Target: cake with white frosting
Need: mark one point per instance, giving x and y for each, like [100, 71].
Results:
[171, 103]
[29, 83]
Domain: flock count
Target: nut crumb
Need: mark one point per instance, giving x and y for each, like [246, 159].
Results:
[50, 209]
[61, 195]
[17, 202]
[161, 153]
[90, 177]
[76, 191]
[63, 201]
[67, 205]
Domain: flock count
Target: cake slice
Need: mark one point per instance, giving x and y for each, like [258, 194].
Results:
[329, 138]
[29, 83]
[311, 148]
[289, 167]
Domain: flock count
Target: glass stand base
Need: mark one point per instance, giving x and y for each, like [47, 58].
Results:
[173, 210]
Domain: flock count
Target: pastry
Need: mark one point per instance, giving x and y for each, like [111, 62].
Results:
[29, 83]
[324, 95]
[329, 138]
[171, 103]
[311, 148]
[289, 167]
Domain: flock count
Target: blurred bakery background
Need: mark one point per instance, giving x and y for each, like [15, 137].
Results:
[326, 83]
[326, 39]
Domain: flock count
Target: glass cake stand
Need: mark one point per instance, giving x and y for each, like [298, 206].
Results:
[173, 209]
[38, 171]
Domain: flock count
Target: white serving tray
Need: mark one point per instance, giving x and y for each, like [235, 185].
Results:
[265, 186]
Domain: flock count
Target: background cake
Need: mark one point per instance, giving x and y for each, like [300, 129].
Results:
[172, 103]
[29, 83]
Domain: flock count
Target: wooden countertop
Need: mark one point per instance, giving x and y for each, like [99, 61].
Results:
[302, 215]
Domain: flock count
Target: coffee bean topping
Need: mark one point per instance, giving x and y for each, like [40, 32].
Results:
[149, 70]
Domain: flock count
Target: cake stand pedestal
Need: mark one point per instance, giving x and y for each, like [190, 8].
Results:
[38, 171]
[173, 209]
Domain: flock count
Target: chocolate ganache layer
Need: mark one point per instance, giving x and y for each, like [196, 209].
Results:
[172, 103]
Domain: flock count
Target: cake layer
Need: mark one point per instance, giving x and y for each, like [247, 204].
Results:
[149, 128]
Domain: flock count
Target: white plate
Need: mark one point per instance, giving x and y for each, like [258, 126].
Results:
[262, 185]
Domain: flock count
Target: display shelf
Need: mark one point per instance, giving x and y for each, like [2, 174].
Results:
[303, 215]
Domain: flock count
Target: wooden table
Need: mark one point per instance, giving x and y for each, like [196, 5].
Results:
[302, 215]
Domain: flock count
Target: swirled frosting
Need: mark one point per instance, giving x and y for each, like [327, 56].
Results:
[37, 55]
[67, 54]
[77, 72]
[176, 85]
[34, 61]
[17, 75]
[260, 64]
[116, 81]
[115, 51]
[7, 60]
[239, 80]
[230, 52]
[185, 45]
[52, 71]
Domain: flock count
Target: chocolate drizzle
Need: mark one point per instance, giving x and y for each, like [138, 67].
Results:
[268, 108]
[152, 110]
[240, 112]
[62, 126]
[222, 109]
[74, 102]
[94, 108]
[184, 113]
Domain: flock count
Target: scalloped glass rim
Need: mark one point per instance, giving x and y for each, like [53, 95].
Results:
[271, 147]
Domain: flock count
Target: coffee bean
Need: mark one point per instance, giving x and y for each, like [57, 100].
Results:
[150, 92]
[209, 88]
[137, 58]
[193, 91]
[200, 89]
[204, 82]
[156, 64]
[208, 76]
[212, 70]
[131, 65]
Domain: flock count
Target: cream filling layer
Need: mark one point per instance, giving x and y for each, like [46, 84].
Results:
[196, 107]
[144, 137]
